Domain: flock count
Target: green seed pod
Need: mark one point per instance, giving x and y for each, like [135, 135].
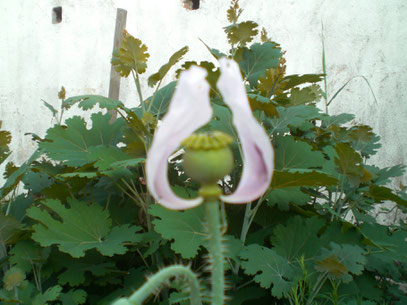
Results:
[208, 157]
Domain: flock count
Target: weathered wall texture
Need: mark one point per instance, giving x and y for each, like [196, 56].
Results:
[362, 37]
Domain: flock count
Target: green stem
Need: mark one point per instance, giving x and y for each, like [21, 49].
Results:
[133, 190]
[216, 250]
[250, 214]
[158, 279]
[247, 222]
[62, 113]
[134, 199]
[37, 275]
[243, 233]
[11, 200]
[320, 282]
[150, 103]
[138, 86]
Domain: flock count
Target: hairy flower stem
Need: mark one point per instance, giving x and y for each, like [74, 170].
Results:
[155, 282]
[215, 252]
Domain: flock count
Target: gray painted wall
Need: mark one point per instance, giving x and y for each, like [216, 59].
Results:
[362, 37]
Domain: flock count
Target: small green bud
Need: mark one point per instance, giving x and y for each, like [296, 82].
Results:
[208, 157]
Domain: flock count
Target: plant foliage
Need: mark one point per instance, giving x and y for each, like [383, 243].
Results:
[78, 226]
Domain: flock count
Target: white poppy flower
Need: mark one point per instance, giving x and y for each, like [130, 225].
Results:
[188, 111]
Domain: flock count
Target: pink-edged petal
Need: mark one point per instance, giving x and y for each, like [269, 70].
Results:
[258, 155]
[189, 110]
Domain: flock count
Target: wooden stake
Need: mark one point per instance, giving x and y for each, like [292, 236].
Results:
[114, 85]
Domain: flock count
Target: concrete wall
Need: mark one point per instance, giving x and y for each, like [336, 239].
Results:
[362, 37]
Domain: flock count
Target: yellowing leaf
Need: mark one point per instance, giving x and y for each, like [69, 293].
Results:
[136, 124]
[340, 260]
[259, 103]
[241, 33]
[366, 176]
[13, 278]
[270, 83]
[10, 169]
[134, 135]
[148, 119]
[380, 193]
[134, 144]
[119, 66]
[263, 36]
[361, 133]
[234, 11]
[5, 139]
[349, 161]
[363, 139]
[132, 56]
[294, 80]
[332, 266]
[304, 96]
[287, 179]
[62, 93]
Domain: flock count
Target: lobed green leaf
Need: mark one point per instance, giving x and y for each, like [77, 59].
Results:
[269, 269]
[184, 228]
[80, 228]
[298, 237]
[292, 154]
[76, 145]
[87, 102]
[342, 259]
[254, 61]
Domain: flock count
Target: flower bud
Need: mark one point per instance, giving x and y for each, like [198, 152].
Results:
[208, 157]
